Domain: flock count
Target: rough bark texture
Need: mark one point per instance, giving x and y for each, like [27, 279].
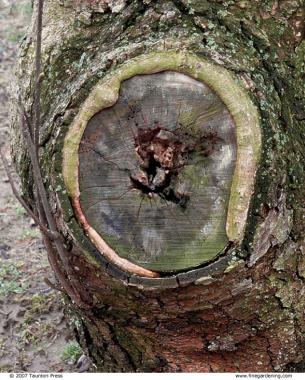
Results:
[245, 311]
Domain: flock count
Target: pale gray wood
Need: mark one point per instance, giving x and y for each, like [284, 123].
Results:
[155, 233]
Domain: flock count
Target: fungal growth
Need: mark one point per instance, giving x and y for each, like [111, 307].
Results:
[156, 169]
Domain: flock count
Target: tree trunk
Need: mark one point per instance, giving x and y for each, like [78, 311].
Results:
[179, 193]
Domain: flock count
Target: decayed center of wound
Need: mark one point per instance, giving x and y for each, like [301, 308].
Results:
[161, 155]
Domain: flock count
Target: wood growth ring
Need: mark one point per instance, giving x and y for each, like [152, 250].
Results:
[160, 163]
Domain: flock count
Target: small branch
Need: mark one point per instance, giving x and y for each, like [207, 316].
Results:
[52, 235]
[30, 131]
[26, 129]
[61, 276]
[36, 124]
[64, 256]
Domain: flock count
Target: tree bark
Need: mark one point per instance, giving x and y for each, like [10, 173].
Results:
[241, 307]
